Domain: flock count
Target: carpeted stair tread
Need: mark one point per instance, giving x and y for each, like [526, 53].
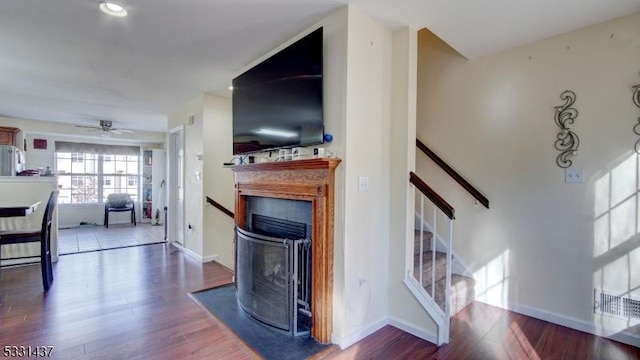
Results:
[427, 241]
[427, 260]
[462, 287]
[462, 292]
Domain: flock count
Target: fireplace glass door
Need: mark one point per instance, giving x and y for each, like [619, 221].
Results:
[274, 280]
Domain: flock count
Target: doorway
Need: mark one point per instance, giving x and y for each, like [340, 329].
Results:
[176, 185]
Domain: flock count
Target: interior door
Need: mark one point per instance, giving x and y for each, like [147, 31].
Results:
[176, 186]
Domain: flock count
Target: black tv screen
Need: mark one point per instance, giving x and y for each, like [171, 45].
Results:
[278, 103]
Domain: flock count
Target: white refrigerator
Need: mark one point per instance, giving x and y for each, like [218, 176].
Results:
[11, 160]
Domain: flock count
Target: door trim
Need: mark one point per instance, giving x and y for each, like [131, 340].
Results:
[171, 184]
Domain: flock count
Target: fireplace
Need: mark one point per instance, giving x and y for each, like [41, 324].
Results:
[310, 183]
[274, 280]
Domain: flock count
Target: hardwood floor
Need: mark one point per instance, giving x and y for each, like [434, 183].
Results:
[133, 303]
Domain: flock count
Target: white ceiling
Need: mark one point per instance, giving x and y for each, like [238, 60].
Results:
[65, 61]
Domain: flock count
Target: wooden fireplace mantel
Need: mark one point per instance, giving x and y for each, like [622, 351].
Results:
[308, 180]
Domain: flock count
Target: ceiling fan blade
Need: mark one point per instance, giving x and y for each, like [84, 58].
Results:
[105, 128]
[89, 127]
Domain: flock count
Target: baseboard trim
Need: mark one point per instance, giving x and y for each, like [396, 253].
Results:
[413, 330]
[624, 336]
[188, 252]
[194, 255]
[210, 258]
[345, 342]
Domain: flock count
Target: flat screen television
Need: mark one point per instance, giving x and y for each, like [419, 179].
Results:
[278, 103]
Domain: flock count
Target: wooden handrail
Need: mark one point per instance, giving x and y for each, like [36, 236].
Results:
[220, 207]
[457, 177]
[441, 203]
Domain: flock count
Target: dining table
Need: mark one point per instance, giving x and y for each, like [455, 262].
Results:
[18, 209]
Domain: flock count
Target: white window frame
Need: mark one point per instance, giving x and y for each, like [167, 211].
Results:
[101, 177]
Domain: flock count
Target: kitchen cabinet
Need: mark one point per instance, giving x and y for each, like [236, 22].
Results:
[8, 135]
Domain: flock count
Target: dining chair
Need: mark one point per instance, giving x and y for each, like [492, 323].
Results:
[119, 202]
[43, 235]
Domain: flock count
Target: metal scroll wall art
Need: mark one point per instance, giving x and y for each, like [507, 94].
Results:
[636, 100]
[567, 141]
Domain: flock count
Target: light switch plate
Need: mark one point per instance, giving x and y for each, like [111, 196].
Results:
[574, 176]
[363, 184]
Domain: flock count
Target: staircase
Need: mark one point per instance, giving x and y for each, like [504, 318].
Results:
[462, 287]
[435, 278]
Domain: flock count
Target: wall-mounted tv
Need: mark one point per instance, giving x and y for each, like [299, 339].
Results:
[278, 103]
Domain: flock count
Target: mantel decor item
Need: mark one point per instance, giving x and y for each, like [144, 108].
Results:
[567, 141]
[636, 128]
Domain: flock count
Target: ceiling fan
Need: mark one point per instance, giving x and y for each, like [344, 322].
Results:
[106, 126]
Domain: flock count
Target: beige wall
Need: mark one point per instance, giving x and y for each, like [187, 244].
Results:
[544, 245]
[404, 310]
[193, 185]
[218, 181]
[366, 214]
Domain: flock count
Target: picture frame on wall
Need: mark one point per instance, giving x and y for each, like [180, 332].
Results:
[40, 144]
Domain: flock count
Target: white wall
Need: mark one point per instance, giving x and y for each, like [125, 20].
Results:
[544, 245]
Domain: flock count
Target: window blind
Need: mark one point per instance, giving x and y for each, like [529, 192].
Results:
[89, 148]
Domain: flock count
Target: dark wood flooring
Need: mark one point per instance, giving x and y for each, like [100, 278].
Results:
[133, 303]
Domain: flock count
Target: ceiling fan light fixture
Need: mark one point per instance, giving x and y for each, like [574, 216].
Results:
[113, 9]
[106, 127]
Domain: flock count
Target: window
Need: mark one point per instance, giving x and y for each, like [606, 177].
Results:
[133, 181]
[88, 178]
[77, 157]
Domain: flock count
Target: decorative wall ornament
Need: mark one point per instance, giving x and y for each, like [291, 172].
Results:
[636, 100]
[567, 141]
[40, 144]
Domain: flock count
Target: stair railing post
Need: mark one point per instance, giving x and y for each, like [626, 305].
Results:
[421, 260]
[447, 306]
[434, 234]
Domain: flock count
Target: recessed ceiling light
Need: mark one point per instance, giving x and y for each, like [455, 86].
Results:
[113, 9]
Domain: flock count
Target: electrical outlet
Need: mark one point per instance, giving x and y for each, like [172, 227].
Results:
[574, 176]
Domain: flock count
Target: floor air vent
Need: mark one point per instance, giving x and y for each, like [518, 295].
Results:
[621, 306]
